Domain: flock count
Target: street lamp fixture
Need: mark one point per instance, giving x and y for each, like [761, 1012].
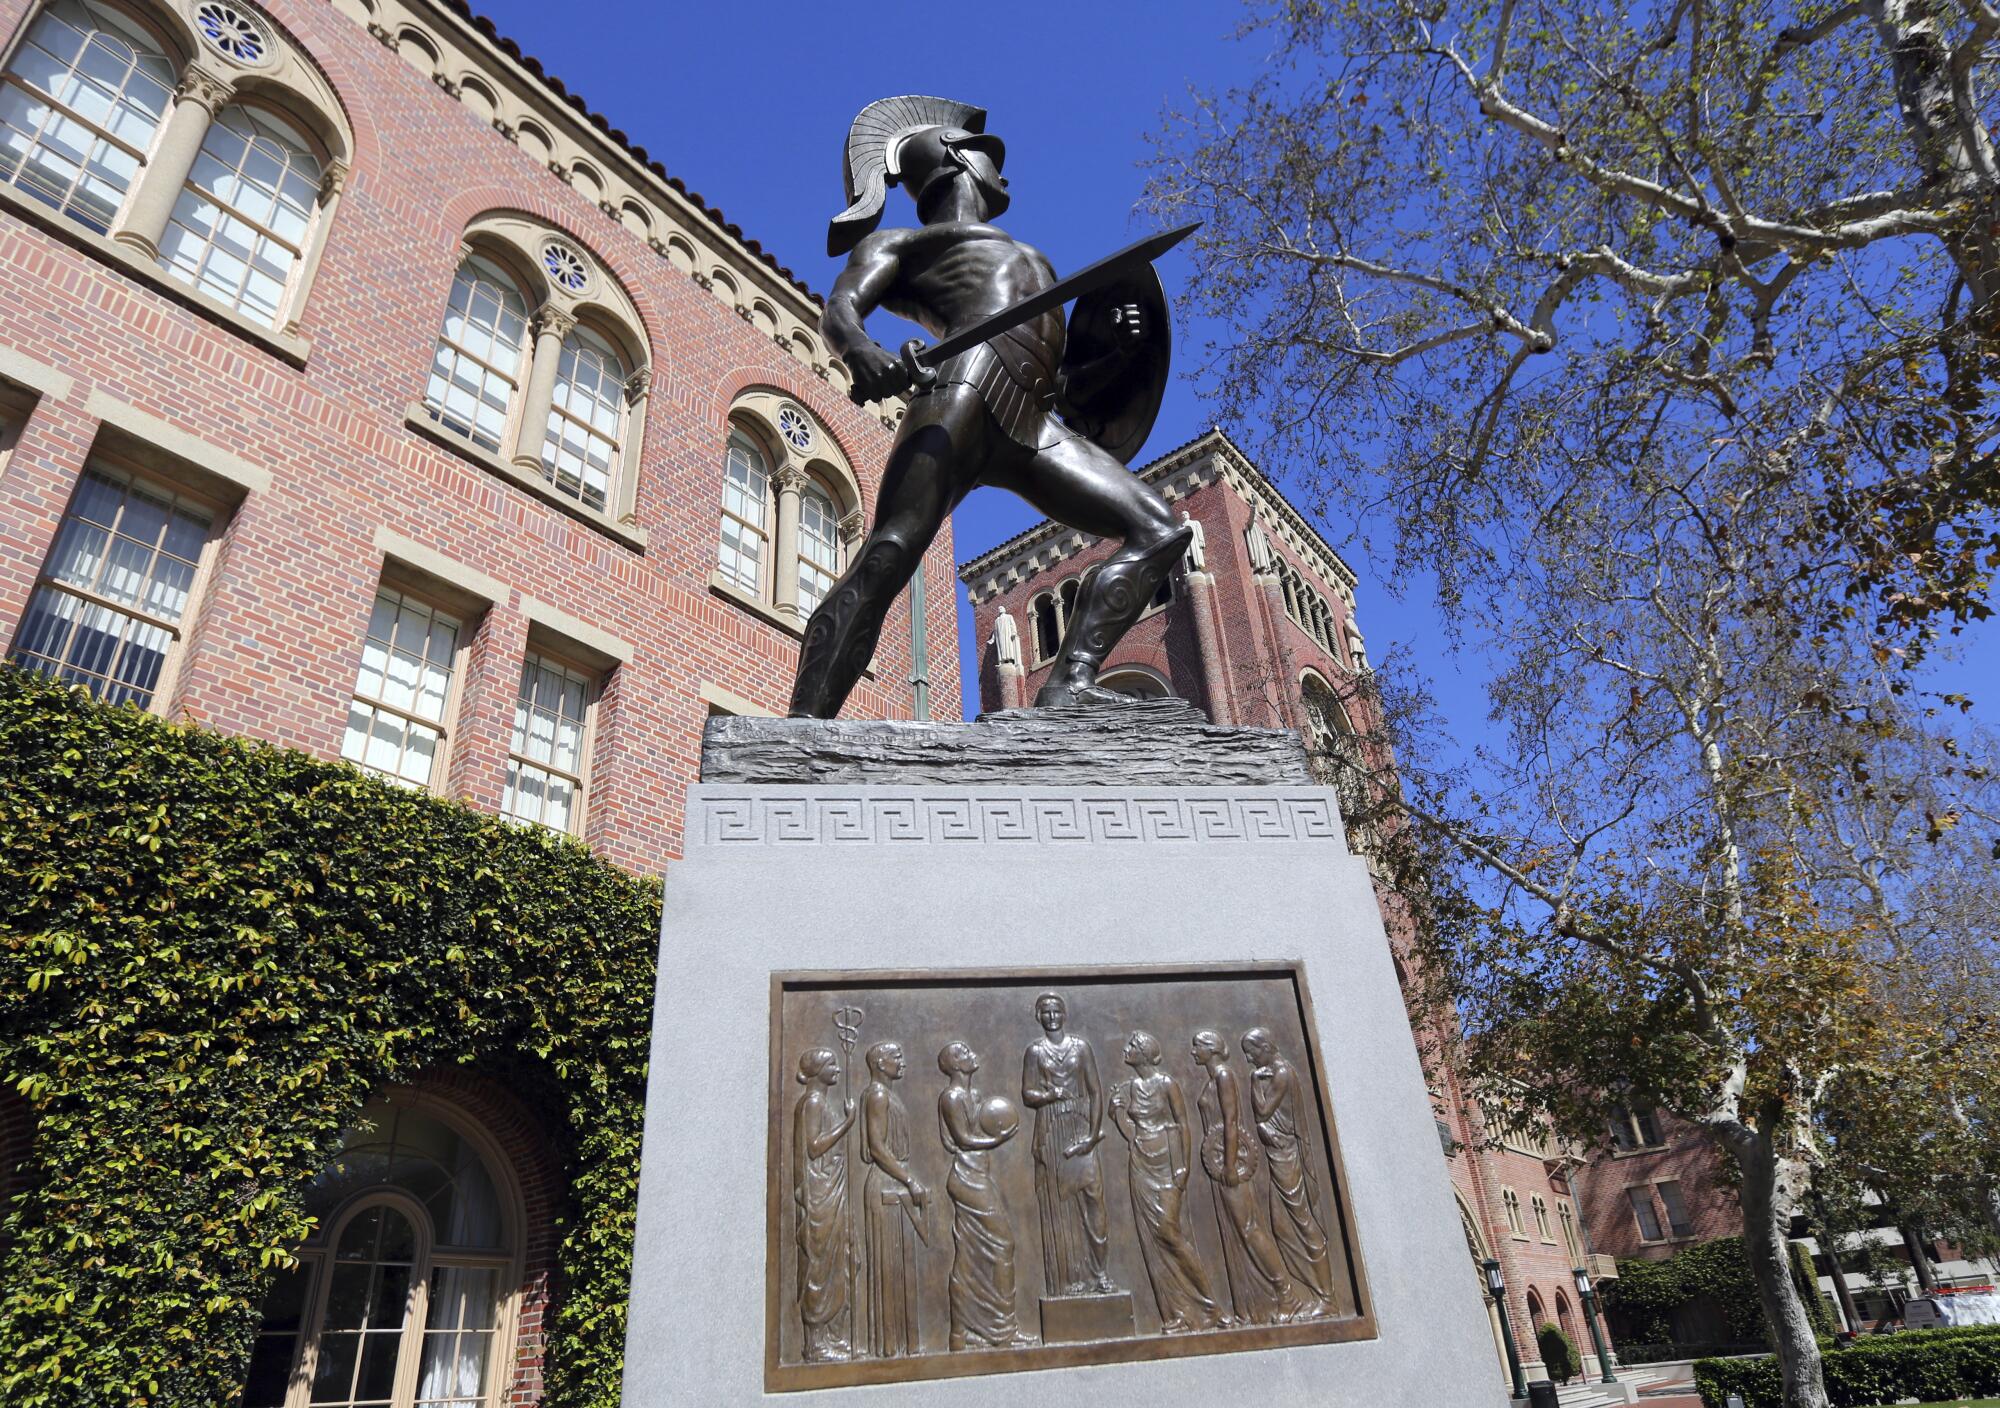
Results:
[1496, 1286]
[1590, 1314]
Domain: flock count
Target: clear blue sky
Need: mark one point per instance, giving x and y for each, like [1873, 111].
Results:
[749, 105]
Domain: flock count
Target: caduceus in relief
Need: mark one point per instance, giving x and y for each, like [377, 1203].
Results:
[847, 1024]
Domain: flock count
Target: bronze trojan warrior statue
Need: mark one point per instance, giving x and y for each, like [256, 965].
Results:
[1048, 409]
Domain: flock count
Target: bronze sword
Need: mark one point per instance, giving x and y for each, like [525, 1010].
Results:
[922, 362]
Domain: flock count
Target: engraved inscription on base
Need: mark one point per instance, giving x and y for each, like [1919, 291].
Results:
[1167, 1149]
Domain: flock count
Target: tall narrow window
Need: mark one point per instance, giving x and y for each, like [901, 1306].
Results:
[1568, 1220]
[545, 764]
[78, 109]
[238, 228]
[396, 722]
[108, 609]
[476, 370]
[586, 419]
[746, 514]
[819, 546]
[361, 1337]
[1642, 1209]
[1678, 1220]
[1048, 630]
[1066, 594]
[1541, 1208]
[1510, 1202]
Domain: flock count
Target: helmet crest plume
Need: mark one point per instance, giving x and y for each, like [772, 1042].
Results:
[875, 131]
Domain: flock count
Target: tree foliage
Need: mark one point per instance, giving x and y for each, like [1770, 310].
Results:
[1665, 338]
[1461, 253]
[211, 953]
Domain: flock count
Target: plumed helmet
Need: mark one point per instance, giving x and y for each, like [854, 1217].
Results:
[871, 144]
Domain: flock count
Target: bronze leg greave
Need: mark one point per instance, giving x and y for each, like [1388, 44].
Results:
[840, 638]
[1108, 601]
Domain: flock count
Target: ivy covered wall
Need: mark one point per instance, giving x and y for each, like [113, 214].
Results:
[1647, 1293]
[211, 952]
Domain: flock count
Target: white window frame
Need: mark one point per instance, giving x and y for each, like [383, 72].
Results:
[838, 548]
[577, 341]
[467, 624]
[295, 268]
[516, 380]
[764, 533]
[552, 657]
[113, 466]
[318, 1262]
[140, 157]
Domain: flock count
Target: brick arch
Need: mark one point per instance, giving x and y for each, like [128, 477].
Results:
[467, 206]
[796, 383]
[1153, 657]
[348, 87]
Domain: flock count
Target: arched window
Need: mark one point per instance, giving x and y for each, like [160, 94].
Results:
[580, 447]
[401, 1298]
[477, 367]
[240, 226]
[1510, 1203]
[1066, 595]
[79, 107]
[819, 545]
[1541, 1207]
[746, 513]
[1048, 629]
[1537, 1317]
[1135, 683]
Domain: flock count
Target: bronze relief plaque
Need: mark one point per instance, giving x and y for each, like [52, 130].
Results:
[973, 1171]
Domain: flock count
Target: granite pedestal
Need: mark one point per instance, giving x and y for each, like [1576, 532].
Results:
[876, 875]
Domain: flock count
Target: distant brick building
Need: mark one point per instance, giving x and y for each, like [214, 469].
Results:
[363, 391]
[1258, 627]
[1658, 1185]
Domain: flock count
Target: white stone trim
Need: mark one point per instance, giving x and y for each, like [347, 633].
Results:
[197, 452]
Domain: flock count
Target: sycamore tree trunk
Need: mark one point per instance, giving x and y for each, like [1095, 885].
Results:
[1766, 1220]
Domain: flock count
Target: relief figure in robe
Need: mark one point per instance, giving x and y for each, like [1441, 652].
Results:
[893, 1206]
[1276, 1098]
[1059, 1083]
[1260, 1287]
[819, 1209]
[1151, 1113]
[981, 1289]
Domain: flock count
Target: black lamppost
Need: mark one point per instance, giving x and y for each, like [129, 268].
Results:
[1498, 1289]
[1589, 1299]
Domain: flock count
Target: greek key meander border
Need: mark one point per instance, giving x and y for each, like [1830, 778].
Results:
[876, 817]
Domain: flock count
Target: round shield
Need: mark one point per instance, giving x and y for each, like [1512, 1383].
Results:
[1115, 363]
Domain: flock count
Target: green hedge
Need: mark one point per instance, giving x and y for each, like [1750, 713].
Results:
[211, 952]
[1929, 1366]
[1647, 1293]
[1559, 1356]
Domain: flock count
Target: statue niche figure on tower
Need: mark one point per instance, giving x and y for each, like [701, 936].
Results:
[988, 415]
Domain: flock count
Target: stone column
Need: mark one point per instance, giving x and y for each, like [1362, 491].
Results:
[550, 326]
[199, 97]
[790, 482]
[1201, 605]
[332, 181]
[624, 503]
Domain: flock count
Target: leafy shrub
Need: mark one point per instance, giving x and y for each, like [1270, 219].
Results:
[211, 952]
[1636, 1354]
[1558, 1354]
[1930, 1366]
[1647, 1293]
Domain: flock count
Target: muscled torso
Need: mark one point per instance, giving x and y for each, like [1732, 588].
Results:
[941, 277]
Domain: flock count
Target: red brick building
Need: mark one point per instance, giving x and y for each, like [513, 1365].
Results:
[363, 391]
[1257, 626]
